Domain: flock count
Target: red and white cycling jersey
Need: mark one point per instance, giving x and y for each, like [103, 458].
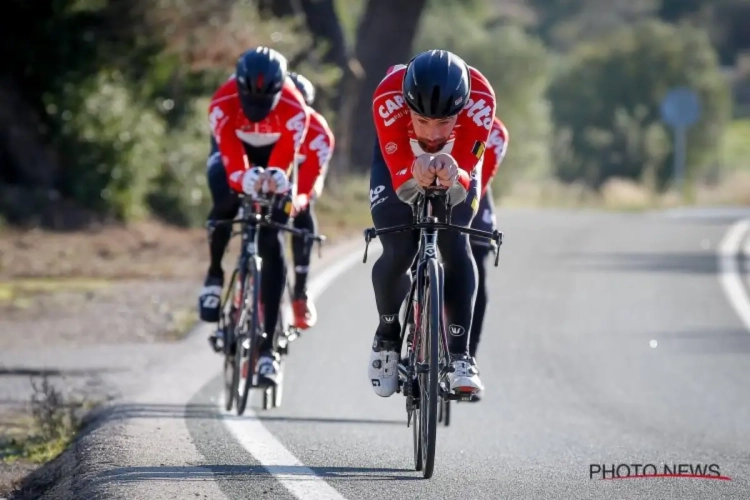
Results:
[399, 145]
[315, 155]
[285, 128]
[494, 153]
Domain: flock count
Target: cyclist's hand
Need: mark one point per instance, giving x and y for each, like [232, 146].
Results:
[446, 169]
[423, 170]
[274, 181]
[301, 201]
[251, 180]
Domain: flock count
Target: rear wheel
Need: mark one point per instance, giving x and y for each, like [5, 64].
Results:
[249, 342]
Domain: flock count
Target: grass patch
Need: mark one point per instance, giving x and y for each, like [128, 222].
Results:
[19, 293]
[626, 195]
[44, 433]
[181, 322]
[344, 208]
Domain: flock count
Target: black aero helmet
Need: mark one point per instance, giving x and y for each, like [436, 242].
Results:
[260, 74]
[436, 84]
[305, 86]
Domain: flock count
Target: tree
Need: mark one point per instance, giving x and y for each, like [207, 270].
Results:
[606, 103]
[517, 66]
[384, 38]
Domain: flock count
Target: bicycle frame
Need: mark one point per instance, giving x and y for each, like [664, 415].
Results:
[249, 233]
[246, 317]
[429, 226]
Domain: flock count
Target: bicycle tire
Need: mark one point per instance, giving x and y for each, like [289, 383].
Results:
[415, 413]
[429, 393]
[416, 425]
[230, 362]
[252, 334]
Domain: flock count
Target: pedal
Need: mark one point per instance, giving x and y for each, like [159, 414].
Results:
[293, 334]
[283, 342]
[216, 343]
[459, 396]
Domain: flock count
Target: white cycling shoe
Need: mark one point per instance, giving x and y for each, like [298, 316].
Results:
[382, 369]
[463, 376]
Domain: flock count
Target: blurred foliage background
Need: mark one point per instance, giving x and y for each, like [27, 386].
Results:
[103, 103]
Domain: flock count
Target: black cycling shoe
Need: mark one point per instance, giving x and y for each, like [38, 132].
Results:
[209, 301]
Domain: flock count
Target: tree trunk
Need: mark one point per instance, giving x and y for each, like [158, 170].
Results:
[32, 164]
[384, 38]
[323, 22]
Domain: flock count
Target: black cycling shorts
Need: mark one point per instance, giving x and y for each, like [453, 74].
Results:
[485, 219]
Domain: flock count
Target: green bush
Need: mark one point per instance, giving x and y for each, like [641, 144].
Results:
[110, 144]
[606, 104]
[179, 194]
[516, 65]
[736, 145]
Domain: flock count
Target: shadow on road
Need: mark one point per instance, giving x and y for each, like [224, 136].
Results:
[251, 472]
[682, 263]
[19, 371]
[199, 411]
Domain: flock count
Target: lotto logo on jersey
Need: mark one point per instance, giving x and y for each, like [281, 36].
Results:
[321, 148]
[297, 125]
[480, 112]
[391, 106]
[497, 143]
[214, 118]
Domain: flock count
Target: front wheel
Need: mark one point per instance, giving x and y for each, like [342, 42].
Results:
[249, 343]
[430, 367]
[229, 326]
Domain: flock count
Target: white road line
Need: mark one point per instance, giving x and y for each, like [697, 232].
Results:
[746, 257]
[301, 481]
[730, 273]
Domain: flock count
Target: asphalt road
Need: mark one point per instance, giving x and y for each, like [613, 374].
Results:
[610, 339]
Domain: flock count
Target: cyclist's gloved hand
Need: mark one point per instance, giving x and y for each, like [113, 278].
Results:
[274, 181]
[423, 170]
[446, 169]
[301, 201]
[250, 180]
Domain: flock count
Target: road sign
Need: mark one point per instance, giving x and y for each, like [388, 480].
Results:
[680, 109]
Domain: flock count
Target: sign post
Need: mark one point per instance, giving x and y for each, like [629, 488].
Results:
[680, 109]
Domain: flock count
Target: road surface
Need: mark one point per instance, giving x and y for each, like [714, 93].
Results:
[610, 339]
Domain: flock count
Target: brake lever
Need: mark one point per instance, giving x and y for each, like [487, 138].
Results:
[368, 238]
[320, 247]
[497, 237]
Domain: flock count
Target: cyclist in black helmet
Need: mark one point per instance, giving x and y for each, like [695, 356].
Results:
[433, 119]
[258, 121]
